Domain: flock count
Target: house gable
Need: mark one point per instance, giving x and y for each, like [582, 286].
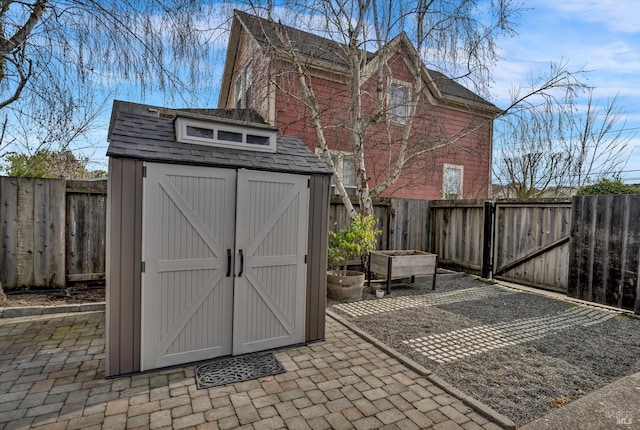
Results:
[452, 125]
[323, 58]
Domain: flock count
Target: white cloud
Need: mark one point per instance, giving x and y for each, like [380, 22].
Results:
[616, 15]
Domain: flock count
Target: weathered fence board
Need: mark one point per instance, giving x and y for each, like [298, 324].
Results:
[32, 243]
[35, 241]
[531, 243]
[85, 230]
[404, 222]
[457, 234]
[49, 212]
[9, 226]
[604, 256]
[409, 224]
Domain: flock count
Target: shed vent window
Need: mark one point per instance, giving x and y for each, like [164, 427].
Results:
[257, 140]
[229, 136]
[204, 133]
[214, 133]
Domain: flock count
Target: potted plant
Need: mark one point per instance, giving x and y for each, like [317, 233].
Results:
[351, 242]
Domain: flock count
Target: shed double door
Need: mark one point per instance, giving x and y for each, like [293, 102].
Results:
[224, 255]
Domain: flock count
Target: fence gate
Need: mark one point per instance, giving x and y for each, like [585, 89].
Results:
[224, 255]
[531, 243]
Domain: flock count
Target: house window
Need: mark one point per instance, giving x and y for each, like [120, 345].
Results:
[346, 170]
[452, 181]
[398, 102]
[244, 84]
[239, 91]
[248, 83]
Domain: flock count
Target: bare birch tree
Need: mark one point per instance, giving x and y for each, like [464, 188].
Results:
[452, 36]
[560, 145]
[60, 59]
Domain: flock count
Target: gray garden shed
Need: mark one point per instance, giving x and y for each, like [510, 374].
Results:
[216, 238]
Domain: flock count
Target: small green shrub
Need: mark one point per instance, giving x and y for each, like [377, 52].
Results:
[608, 186]
[353, 241]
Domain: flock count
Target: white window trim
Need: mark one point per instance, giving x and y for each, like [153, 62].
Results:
[391, 116]
[458, 167]
[338, 162]
[181, 125]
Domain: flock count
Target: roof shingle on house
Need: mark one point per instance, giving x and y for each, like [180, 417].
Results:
[147, 136]
[315, 47]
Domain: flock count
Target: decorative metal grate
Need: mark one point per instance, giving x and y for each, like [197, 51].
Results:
[230, 370]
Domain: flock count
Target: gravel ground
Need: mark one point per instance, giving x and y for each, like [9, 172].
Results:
[523, 381]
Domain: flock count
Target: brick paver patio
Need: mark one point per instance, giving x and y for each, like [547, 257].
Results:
[52, 376]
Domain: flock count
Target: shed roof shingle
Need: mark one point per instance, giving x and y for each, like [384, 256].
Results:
[153, 139]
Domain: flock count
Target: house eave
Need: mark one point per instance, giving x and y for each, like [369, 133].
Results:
[480, 108]
[230, 61]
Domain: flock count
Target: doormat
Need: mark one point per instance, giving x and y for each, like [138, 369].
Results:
[230, 370]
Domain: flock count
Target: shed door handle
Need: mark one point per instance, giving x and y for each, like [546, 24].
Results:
[241, 263]
[228, 263]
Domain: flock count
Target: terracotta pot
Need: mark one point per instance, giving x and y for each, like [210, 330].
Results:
[345, 286]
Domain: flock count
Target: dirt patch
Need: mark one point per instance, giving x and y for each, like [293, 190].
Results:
[68, 296]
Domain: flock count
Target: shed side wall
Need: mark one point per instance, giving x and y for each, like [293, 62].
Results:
[124, 251]
[317, 257]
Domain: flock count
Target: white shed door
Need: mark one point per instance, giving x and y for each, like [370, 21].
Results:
[193, 219]
[187, 297]
[272, 217]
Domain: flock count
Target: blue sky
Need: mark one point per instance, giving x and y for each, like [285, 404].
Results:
[601, 36]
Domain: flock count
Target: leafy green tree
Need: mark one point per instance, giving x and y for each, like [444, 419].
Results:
[23, 165]
[353, 241]
[608, 187]
[49, 164]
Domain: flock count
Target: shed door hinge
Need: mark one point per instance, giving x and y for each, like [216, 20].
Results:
[305, 259]
[144, 171]
[309, 183]
[142, 266]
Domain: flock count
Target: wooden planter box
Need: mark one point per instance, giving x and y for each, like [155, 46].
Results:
[402, 264]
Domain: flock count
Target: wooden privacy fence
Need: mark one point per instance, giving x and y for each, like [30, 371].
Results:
[52, 232]
[457, 233]
[519, 241]
[531, 242]
[605, 250]
[404, 222]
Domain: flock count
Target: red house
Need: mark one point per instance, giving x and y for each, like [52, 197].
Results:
[449, 136]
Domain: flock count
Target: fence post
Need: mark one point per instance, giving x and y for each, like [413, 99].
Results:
[487, 237]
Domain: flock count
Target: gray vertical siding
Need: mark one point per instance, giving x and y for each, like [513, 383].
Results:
[317, 257]
[124, 253]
